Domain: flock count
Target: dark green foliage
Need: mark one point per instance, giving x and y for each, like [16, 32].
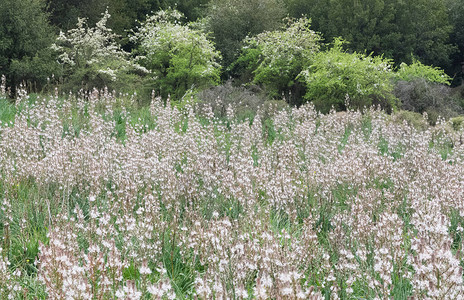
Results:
[231, 21]
[242, 69]
[456, 16]
[192, 9]
[25, 38]
[64, 13]
[425, 32]
[399, 29]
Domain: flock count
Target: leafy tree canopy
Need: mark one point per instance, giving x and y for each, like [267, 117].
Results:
[65, 13]
[336, 78]
[230, 21]
[277, 57]
[25, 37]
[399, 29]
[179, 57]
[91, 56]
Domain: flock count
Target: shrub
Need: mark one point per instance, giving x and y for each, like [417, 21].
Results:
[336, 75]
[179, 57]
[417, 70]
[421, 95]
[92, 58]
[244, 101]
[231, 21]
[459, 93]
[457, 122]
[279, 56]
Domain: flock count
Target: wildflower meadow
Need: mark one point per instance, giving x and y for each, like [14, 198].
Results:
[101, 199]
[231, 149]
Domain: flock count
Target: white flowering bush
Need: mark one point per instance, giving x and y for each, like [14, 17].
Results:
[277, 57]
[91, 57]
[179, 57]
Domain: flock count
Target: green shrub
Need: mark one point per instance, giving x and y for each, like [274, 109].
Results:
[242, 69]
[417, 70]
[275, 58]
[336, 75]
[458, 92]
[179, 57]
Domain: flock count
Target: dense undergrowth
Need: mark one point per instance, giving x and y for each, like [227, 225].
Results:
[103, 200]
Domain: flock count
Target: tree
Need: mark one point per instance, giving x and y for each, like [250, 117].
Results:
[336, 77]
[92, 58]
[275, 58]
[179, 57]
[399, 29]
[426, 30]
[456, 15]
[65, 13]
[230, 21]
[25, 37]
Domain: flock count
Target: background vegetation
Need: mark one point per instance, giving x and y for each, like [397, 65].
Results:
[291, 49]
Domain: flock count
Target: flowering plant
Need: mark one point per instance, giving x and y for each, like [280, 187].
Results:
[91, 56]
[180, 57]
